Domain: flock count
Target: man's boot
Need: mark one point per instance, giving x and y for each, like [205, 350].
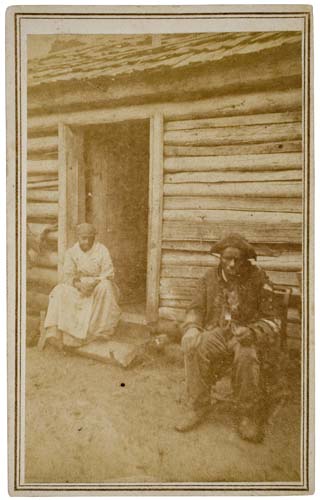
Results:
[251, 429]
[192, 419]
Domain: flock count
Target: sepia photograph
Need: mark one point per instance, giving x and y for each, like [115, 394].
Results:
[160, 250]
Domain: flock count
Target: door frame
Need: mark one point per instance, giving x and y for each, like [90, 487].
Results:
[71, 210]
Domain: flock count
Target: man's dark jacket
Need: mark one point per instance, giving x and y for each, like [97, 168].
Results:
[244, 299]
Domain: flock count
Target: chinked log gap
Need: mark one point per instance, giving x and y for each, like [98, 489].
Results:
[263, 250]
[210, 230]
[247, 204]
[234, 149]
[42, 167]
[246, 162]
[39, 195]
[42, 210]
[291, 189]
[220, 177]
[233, 121]
[287, 262]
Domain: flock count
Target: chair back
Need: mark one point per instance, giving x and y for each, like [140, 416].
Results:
[282, 295]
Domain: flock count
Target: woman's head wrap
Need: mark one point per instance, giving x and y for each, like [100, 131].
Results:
[234, 240]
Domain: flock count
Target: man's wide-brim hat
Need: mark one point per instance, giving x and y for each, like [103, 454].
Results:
[235, 241]
[86, 229]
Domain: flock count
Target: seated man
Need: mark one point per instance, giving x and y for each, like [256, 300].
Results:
[232, 322]
[84, 306]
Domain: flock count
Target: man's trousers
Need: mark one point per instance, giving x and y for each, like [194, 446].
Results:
[254, 369]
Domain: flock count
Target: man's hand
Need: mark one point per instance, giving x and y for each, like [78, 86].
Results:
[190, 340]
[244, 335]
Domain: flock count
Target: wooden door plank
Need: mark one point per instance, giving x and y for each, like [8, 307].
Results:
[64, 134]
[72, 206]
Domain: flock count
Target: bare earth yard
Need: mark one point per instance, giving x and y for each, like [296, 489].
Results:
[91, 422]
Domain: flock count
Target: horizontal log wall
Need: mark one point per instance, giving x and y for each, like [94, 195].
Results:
[240, 173]
[234, 135]
[230, 163]
[42, 211]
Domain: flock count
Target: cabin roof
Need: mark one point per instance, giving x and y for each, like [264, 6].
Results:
[118, 55]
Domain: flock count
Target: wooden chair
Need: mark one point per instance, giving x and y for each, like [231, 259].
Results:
[282, 295]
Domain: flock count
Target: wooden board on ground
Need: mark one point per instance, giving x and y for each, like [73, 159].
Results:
[110, 351]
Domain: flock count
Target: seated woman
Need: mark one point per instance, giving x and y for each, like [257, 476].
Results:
[84, 306]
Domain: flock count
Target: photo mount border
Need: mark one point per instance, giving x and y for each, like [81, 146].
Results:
[13, 19]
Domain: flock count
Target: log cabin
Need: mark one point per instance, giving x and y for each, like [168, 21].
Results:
[167, 142]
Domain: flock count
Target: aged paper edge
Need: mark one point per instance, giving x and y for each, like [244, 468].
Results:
[14, 176]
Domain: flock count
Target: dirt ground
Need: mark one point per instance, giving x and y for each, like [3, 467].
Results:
[92, 422]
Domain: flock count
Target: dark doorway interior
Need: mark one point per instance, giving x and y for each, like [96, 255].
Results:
[117, 182]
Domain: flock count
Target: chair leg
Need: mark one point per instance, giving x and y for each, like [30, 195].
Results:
[42, 339]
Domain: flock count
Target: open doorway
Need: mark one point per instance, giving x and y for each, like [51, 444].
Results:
[117, 190]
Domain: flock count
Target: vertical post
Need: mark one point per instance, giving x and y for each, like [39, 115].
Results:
[72, 208]
[155, 216]
[62, 195]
